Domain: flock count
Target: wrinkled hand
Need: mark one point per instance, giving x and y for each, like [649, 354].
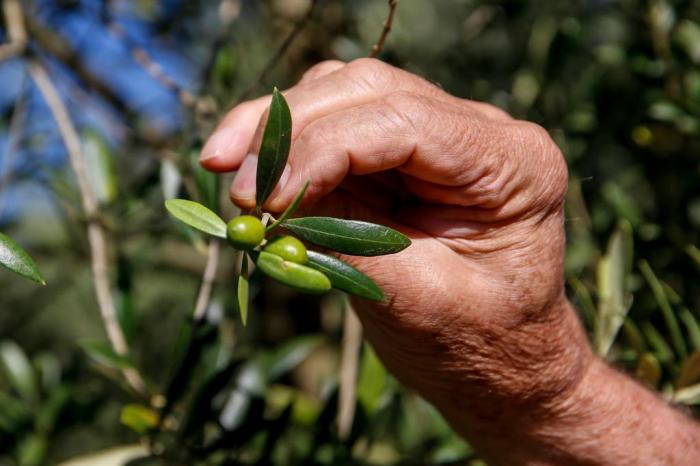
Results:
[475, 317]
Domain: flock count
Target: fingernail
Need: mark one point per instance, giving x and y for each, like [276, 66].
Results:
[243, 186]
[221, 142]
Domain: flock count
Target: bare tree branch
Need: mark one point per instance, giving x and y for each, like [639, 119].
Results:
[377, 48]
[16, 32]
[95, 231]
[200, 104]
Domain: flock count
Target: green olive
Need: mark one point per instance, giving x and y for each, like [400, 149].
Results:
[288, 248]
[297, 276]
[245, 232]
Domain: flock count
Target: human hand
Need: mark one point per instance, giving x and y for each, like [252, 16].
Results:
[475, 316]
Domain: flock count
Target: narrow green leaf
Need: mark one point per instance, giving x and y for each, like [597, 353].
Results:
[15, 259]
[345, 277]
[243, 287]
[291, 209]
[102, 353]
[274, 148]
[18, 371]
[662, 300]
[692, 327]
[612, 297]
[349, 236]
[197, 216]
[658, 344]
[287, 356]
[294, 275]
[141, 419]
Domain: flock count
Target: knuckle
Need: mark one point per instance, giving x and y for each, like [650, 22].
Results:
[552, 173]
[321, 68]
[370, 72]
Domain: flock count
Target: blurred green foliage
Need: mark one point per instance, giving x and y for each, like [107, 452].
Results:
[616, 83]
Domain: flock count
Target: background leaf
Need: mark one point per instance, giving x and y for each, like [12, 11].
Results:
[242, 289]
[18, 371]
[197, 216]
[14, 258]
[274, 148]
[349, 236]
[345, 277]
[103, 354]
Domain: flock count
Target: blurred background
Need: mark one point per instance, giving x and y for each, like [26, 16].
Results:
[139, 85]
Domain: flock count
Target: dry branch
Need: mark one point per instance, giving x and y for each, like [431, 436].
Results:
[377, 48]
[95, 231]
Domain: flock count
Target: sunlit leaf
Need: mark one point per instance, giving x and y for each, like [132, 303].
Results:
[141, 419]
[15, 259]
[197, 216]
[274, 149]
[117, 456]
[345, 277]
[612, 297]
[348, 236]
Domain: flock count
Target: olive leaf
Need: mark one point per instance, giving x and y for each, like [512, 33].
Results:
[291, 274]
[196, 216]
[349, 236]
[274, 148]
[291, 209]
[15, 259]
[103, 353]
[243, 287]
[345, 277]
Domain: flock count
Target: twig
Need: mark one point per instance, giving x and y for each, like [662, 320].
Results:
[201, 105]
[352, 343]
[17, 34]
[377, 48]
[204, 296]
[272, 62]
[95, 231]
[14, 136]
[16, 28]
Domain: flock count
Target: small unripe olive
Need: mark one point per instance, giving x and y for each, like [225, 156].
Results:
[288, 248]
[245, 232]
